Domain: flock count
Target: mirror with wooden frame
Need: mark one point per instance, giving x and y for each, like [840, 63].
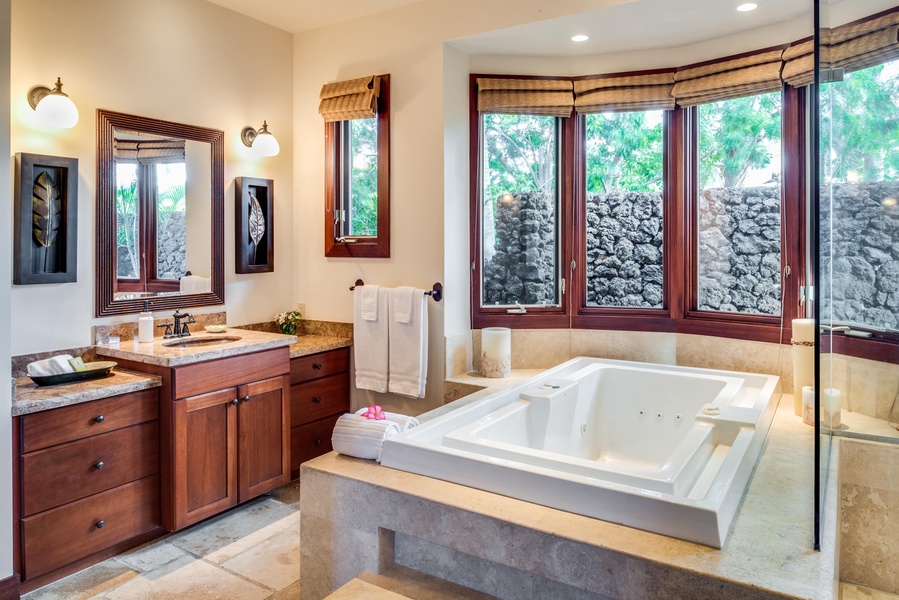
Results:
[160, 214]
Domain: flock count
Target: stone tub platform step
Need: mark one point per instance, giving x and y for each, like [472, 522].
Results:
[400, 583]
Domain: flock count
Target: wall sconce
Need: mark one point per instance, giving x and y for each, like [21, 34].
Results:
[262, 142]
[53, 107]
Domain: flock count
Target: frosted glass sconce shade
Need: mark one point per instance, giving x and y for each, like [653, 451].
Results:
[52, 107]
[262, 142]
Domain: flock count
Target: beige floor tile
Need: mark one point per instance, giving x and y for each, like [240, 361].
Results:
[291, 592]
[151, 556]
[288, 494]
[185, 578]
[224, 538]
[86, 584]
[275, 563]
[851, 591]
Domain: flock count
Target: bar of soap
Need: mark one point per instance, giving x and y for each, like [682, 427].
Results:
[77, 364]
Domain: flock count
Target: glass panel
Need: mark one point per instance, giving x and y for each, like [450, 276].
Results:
[520, 257]
[361, 188]
[861, 176]
[624, 209]
[739, 205]
[127, 221]
[171, 220]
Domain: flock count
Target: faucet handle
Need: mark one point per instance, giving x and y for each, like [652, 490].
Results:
[168, 329]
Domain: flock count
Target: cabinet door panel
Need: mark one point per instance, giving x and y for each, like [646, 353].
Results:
[264, 429]
[205, 461]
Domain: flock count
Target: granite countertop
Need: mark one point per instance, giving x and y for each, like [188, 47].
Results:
[156, 353]
[312, 344]
[28, 397]
[769, 548]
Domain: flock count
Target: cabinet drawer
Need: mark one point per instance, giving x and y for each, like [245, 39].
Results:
[212, 375]
[314, 366]
[317, 399]
[311, 440]
[61, 425]
[61, 474]
[70, 532]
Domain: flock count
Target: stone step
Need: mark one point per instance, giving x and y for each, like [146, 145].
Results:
[400, 583]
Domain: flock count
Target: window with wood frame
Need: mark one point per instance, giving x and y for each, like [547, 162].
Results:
[357, 167]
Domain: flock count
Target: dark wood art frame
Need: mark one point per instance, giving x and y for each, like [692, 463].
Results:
[107, 122]
[361, 247]
[246, 254]
[62, 254]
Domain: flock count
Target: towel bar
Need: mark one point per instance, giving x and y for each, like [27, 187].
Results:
[436, 291]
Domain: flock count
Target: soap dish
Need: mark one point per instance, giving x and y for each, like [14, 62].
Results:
[216, 328]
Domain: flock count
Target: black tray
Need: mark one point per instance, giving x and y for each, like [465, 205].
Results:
[95, 370]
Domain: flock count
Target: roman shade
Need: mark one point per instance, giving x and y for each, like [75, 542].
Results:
[147, 152]
[351, 99]
[539, 97]
[624, 93]
[852, 47]
[724, 80]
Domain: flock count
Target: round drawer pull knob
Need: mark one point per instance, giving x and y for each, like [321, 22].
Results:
[99, 419]
[235, 401]
[246, 398]
[318, 442]
[317, 366]
[317, 400]
[101, 524]
[100, 465]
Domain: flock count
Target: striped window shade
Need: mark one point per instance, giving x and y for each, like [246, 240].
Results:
[728, 79]
[624, 93]
[351, 99]
[147, 152]
[538, 97]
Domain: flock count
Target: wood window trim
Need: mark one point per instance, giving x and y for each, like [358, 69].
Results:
[361, 247]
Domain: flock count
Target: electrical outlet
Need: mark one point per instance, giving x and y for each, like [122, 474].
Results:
[301, 306]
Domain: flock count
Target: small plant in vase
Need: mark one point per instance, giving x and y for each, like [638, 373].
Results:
[287, 321]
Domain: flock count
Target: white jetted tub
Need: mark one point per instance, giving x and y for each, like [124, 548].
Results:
[663, 448]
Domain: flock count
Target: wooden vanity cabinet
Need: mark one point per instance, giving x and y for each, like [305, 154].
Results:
[319, 394]
[87, 484]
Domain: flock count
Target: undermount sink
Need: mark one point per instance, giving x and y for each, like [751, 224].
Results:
[207, 340]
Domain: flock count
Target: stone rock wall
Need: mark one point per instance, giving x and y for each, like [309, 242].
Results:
[171, 247]
[861, 233]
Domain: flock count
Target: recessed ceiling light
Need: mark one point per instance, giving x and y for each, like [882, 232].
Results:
[580, 38]
[747, 7]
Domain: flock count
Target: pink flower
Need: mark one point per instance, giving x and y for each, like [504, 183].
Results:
[374, 413]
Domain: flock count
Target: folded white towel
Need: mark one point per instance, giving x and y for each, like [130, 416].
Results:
[408, 366]
[194, 284]
[360, 437]
[369, 296]
[370, 339]
[404, 422]
[55, 365]
[402, 303]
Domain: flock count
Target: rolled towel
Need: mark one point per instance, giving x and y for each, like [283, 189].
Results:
[360, 437]
[404, 422]
[51, 366]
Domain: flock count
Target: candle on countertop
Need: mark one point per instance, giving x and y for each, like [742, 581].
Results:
[496, 352]
[808, 405]
[803, 360]
[831, 407]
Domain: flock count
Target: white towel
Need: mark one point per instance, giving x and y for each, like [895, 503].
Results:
[369, 299]
[404, 422]
[402, 303]
[194, 284]
[408, 344]
[51, 366]
[370, 338]
[360, 437]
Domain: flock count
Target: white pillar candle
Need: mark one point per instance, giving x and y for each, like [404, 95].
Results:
[808, 405]
[831, 407]
[803, 359]
[496, 352]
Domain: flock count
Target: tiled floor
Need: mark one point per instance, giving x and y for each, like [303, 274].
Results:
[850, 591]
[251, 553]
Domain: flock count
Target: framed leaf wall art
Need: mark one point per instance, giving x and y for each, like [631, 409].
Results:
[45, 219]
[254, 223]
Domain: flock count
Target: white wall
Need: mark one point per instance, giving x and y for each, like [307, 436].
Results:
[5, 316]
[187, 61]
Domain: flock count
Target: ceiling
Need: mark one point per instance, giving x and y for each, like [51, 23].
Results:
[630, 26]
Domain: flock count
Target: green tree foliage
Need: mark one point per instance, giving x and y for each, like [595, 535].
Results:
[521, 155]
[860, 126]
[363, 201]
[624, 152]
[736, 136]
